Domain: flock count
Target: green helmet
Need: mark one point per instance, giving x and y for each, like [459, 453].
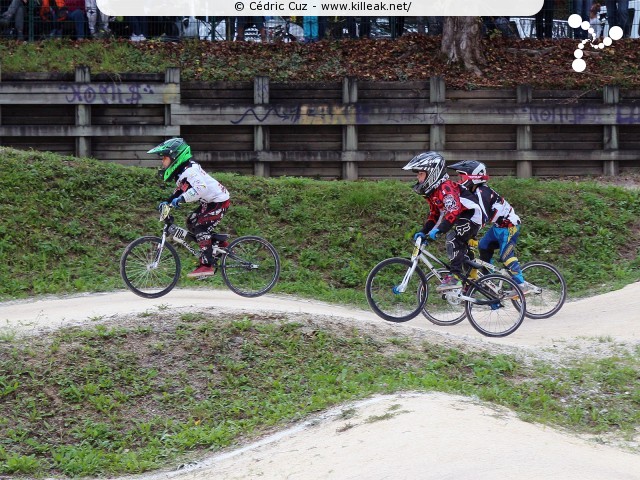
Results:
[176, 149]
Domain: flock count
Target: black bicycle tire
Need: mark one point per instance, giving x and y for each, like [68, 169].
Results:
[372, 303]
[513, 286]
[563, 283]
[429, 316]
[229, 281]
[130, 284]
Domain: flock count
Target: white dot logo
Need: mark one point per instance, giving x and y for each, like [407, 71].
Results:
[575, 21]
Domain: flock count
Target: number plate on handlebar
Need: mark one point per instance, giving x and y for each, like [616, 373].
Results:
[180, 234]
[416, 250]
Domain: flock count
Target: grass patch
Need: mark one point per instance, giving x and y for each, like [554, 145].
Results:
[329, 234]
[107, 401]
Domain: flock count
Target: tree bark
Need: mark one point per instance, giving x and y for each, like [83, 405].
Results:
[462, 42]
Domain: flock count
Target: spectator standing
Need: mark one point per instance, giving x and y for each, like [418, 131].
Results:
[594, 19]
[544, 21]
[352, 27]
[434, 25]
[397, 26]
[16, 12]
[315, 28]
[61, 11]
[582, 8]
[92, 19]
[364, 30]
[138, 27]
[322, 28]
[311, 27]
[618, 14]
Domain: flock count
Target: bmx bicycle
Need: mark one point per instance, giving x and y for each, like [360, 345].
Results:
[546, 292]
[398, 290]
[150, 265]
[547, 286]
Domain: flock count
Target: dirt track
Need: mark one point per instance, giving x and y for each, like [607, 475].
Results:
[427, 436]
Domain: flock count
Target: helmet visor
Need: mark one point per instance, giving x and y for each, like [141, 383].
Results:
[465, 177]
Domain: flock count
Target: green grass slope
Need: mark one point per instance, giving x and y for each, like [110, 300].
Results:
[66, 222]
[129, 395]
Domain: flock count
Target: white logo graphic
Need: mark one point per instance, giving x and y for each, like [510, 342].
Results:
[449, 203]
[575, 21]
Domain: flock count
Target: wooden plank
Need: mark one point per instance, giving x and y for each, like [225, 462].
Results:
[121, 147]
[218, 85]
[541, 145]
[113, 93]
[415, 137]
[123, 110]
[87, 131]
[397, 95]
[333, 114]
[131, 120]
[7, 120]
[485, 145]
[501, 94]
[382, 147]
[306, 138]
[545, 95]
[132, 163]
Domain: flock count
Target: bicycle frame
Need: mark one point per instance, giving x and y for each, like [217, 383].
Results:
[421, 254]
[479, 263]
[181, 235]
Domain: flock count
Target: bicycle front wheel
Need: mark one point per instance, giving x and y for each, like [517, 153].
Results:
[442, 308]
[497, 307]
[547, 289]
[148, 270]
[251, 266]
[382, 296]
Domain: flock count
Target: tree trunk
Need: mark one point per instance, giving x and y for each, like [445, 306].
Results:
[462, 42]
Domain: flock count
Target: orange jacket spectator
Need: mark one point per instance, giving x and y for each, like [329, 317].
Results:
[47, 5]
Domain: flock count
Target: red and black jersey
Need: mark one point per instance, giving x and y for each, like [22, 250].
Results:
[451, 201]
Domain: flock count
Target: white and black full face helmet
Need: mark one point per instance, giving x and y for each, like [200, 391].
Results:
[471, 172]
[434, 165]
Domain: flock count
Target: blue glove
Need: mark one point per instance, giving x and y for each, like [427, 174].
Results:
[162, 204]
[432, 234]
[175, 203]
[419, 235]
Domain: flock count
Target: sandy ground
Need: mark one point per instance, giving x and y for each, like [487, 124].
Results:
[407, 436]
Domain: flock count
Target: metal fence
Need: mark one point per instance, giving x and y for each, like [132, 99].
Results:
[34, 24]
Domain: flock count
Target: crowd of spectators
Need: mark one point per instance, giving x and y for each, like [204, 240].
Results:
[82, 19]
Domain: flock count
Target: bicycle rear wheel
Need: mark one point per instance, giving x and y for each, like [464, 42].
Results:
[442, 308]
[379, 289]
[251, 266]
[147, 270]
[548, 289]
[498, 306]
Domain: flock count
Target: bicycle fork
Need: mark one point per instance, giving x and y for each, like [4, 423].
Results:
[398, 289]
[158, 254]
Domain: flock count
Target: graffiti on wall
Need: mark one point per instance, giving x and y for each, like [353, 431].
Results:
[106, 93]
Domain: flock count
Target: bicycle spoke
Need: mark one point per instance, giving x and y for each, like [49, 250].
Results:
[252, 266]
[496, 309]
[144, 273]
[442, 308]
[387, 302]
[548, 289]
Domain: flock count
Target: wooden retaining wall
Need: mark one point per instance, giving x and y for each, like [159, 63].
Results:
[334, 130]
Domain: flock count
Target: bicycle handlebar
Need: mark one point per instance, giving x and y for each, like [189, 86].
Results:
[165, 211]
